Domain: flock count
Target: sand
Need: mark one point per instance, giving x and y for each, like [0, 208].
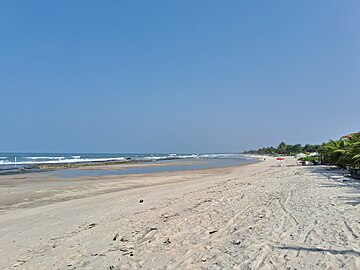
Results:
[257, 216]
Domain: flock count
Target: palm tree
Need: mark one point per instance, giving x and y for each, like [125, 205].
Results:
[344, 152]
[337, 152]
[355, 151]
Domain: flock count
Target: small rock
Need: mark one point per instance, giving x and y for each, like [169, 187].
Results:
[214, 231]
[141, 201]
[236, 242]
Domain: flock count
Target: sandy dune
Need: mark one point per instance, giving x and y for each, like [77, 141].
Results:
[252, 217]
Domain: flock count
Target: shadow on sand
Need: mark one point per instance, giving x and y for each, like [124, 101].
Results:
[340, 179]
[322, 250]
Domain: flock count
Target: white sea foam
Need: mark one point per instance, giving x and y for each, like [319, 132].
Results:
[153, 158]
[3, 157]
[4, 162]
[188, 156]
[76, 157]
[59, 161]
[197, 156]
[221, 156]
[52, 158]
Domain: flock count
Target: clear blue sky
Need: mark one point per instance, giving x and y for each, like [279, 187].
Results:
[176, 76]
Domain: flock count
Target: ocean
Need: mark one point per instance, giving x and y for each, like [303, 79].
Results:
[24, 162]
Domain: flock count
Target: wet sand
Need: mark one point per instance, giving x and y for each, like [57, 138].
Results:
[35, 189]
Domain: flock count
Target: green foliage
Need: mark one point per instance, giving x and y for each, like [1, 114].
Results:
[343, 153]
[314, 159]
[285, 149]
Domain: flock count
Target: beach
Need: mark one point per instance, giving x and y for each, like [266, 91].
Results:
[257, 216]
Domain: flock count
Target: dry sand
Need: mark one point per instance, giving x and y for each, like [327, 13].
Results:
[250, 217]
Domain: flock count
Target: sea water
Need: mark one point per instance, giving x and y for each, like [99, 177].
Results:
[13, 162]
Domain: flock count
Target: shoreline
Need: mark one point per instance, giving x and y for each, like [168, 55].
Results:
[42, 188]
[22, 168]
[18, 163]
[34, 168]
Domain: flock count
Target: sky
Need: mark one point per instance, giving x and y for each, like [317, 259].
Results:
[176, 76]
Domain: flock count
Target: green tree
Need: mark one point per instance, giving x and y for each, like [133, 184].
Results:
[339, 152]
[281, 149]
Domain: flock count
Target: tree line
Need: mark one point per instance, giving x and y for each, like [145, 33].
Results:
[344, 153]
[286, 149]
